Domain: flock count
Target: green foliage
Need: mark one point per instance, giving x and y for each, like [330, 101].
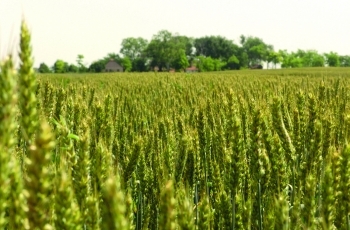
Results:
[181, 62]
[233, 62]
[80, 64]
[311, 58]
[169, 51]
[43, 68]
[301, 58]
[257, 50]
[344, 61]
[161, 49]
[165, 49]
[97, 66]
[248, 150]
[74, 69]
[332, 59]
[218, 64]
[133, 48]
[206, 64]
[274, 57]
[139, 65]
[126, 63]
[59, 67]
[216, 47]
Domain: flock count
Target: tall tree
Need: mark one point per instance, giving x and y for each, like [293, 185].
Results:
[126, 63]
[332, 59]
[181, 61]
[311, 58]
[344, 61]
[243, 58]
[97, 66]
[216, 47]
[255, 48]
[133, 47]
[164, 49]
[80, 64]
[74, 69]
[290, 60]
[206, 64]
[233, 62]
[43, 68]
[112, 56]
[185, 43]
[274, 57]
[60, 66]
[139, 65]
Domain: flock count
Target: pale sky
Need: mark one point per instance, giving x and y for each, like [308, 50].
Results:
[62, 29]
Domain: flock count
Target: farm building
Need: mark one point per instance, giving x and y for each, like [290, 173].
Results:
[191, 69]
[113, 66]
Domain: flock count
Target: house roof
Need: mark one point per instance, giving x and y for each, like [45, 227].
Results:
[112, 62]
[192, 68]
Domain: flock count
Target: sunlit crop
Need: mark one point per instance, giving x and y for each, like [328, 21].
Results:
[225, 150]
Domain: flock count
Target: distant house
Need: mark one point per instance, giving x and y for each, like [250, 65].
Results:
[257, 66]
[113, 66]
[191, 69]
[156, 69]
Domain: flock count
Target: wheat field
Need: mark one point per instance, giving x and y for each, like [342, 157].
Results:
[226, 150]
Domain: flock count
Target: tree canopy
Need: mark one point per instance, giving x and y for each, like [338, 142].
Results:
[168, 50]
[43, 68]
[133, 48]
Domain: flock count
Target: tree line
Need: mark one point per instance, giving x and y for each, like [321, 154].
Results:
[171, 51]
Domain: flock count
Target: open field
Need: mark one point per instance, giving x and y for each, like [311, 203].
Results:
[261, 149]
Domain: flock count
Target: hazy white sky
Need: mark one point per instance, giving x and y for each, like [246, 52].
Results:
[62, 29]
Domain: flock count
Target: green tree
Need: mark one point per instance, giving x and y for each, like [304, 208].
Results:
[256, 49]
[216, 47]
[97, 66]
[161, 50]
[295, 61]
[344, 61]
[126, 63]
[81, 67]
[218, 64]
[181, 62]
[243, 59]
[60, 66]
[233, 62]
[290, 60]
[165, 48]
[332, 59]
[274, 57]
[285, 59]
[112, 56]
[318, 61]
[205, 64]
[185, 43]
[66, 67]
[133, 47]
[73, 69]
[43, 68]
[139, 65]
[310, 58]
